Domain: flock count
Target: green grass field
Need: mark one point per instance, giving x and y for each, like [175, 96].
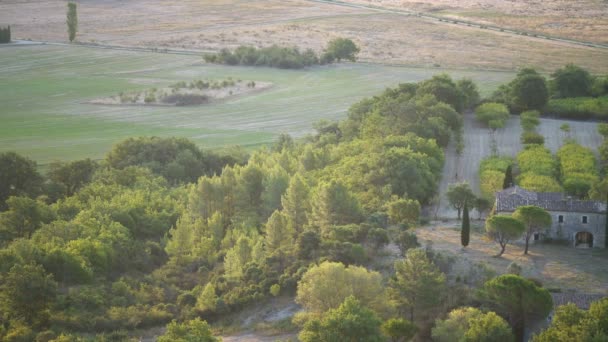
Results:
[43, 91]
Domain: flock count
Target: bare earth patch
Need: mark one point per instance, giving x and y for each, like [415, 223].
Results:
[557, 266]
[582, 19]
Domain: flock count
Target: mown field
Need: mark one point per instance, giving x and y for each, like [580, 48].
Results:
[44, 114]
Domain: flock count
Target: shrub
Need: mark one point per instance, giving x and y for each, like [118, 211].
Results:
[186, 99]
[494, 115]
[578, 108]
[529, 120]
[532, 138]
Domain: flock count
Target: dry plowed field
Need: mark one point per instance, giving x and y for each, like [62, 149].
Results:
[210, 25]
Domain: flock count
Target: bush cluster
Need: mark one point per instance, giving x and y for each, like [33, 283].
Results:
[581, 108]
[492, 174]
[285, 57]
[578, 169]
[538, 169]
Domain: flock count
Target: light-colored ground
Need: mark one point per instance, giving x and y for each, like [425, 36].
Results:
[478, 145]
[581, 19]
[557, 266]
[211, 25]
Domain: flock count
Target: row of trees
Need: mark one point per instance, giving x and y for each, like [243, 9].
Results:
[568, 93]
[286, 58]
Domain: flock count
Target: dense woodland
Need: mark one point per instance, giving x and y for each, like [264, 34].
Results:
[161, 232]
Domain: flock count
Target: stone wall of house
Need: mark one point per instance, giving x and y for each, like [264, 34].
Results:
[573, 224]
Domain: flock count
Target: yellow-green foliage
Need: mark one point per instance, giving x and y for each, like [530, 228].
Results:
[538, 169]
[578, 169]
[539, 183]
[538, 160]
[492, 174]
[575, 160]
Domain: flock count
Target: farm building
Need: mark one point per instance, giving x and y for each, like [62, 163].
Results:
[583, 223]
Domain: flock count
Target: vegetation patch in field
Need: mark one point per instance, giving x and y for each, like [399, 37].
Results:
[183, 93]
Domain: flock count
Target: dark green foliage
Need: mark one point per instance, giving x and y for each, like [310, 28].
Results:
[176, 159]
[606, 228]
[508, 182]
[465, 231]
[581, 108]
[5, 34]
[571, 81]
[399, 329]
[18, 177]
[519, 300]
[406, 241]
[445, 90]
[528, 91]
[72, 21]
[72, 175]
[340, 48]
[459, 194]
[26, 293]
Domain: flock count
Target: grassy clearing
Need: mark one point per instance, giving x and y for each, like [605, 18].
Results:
[45, 115]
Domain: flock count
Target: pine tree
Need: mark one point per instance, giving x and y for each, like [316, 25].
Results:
[508, 181]
[465, 232]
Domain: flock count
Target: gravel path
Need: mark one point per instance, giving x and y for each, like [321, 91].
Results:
[478, 145]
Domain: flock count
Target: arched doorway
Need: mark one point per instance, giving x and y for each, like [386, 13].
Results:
[583, 240]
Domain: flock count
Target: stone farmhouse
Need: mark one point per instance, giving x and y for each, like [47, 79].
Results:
[582, 223]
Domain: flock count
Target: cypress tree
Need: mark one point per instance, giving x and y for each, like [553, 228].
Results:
[8, 34]
[72, 21]
[606, 228]
[465, 232]
[508, 181]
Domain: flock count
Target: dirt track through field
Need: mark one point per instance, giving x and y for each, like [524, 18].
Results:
[478, 145]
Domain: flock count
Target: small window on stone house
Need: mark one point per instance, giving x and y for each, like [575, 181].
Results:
[560, 219]
[536, 236]
[584, 219]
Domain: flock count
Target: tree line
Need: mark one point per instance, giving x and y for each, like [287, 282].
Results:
[286, 57]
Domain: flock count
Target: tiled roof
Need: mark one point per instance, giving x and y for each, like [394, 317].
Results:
[510, 199]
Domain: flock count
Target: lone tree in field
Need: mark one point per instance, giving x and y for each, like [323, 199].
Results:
[534, 219]
[482, 205]
[503, 229]
[342, 48]
[72, 21]
[465, 232]
[458, 194]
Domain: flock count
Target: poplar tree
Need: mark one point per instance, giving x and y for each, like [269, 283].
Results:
[465, 232]
[72, 21]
